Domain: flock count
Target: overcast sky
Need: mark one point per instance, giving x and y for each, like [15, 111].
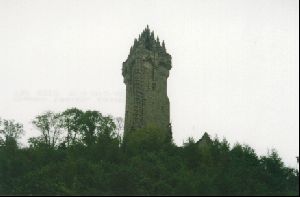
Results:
[235, 64]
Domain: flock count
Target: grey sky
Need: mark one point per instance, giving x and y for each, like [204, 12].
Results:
[235, 63]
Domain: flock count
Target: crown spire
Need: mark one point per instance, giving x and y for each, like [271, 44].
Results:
[148, 41]
[148, 44]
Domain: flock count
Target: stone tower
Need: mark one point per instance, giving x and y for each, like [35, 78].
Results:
[145, 74]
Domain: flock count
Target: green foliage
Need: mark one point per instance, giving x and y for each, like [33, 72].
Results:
[10, 132]
[70, 121]
[48, 124]
[145, 140]
[88, 157]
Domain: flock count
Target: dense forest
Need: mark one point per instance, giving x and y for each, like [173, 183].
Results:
[82, 153]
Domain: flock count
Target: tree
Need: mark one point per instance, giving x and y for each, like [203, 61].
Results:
[88, 125]
[150, 138]
[70, 121]
[48, 124]
[119, 121]
[147, 163]
[10, 131]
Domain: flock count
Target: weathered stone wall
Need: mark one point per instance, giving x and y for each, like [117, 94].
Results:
[145, 74]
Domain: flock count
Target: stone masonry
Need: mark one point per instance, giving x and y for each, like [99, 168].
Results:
[145, 74]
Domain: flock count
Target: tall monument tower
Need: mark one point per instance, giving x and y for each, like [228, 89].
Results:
[145, 74]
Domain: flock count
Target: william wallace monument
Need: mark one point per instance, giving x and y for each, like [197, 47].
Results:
[145, 74]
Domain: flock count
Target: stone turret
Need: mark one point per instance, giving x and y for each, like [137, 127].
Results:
[145, 74]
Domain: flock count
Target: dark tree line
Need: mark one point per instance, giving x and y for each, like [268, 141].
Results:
[81, 153]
